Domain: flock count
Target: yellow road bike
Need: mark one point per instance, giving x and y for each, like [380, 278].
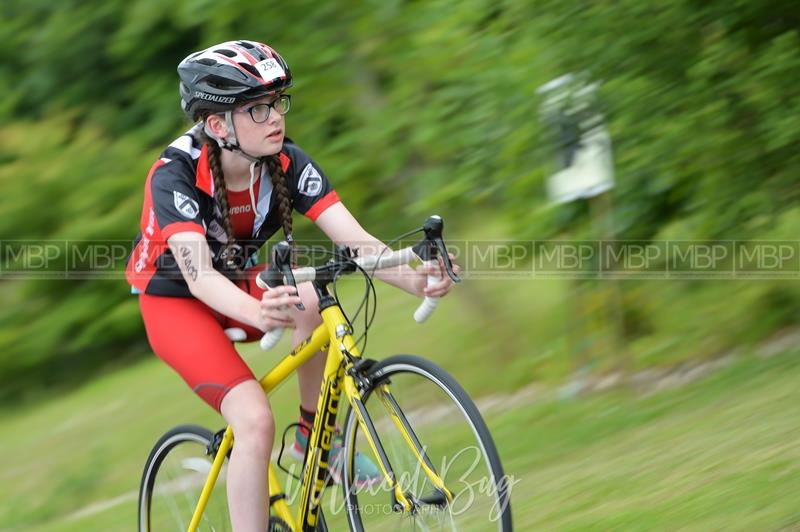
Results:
[439, 466]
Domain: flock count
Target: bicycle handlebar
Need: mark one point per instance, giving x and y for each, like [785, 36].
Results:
[280, 272]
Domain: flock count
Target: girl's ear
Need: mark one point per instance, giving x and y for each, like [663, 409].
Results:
[216, 124]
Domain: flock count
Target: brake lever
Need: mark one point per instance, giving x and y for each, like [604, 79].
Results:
[448, 265]
[433, 244]
[280, 269]
[289, 276]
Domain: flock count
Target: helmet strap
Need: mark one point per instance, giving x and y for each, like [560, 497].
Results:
[231, 130]
[252, 181]
[232, 143]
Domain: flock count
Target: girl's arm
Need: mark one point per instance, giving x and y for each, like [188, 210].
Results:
[342, 228]
[218, 292]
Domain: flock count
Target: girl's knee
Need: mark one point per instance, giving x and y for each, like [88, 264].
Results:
[248, 412]
[255, 431]
[256, 422]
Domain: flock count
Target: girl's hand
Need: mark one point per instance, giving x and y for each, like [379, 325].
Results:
[274, 308]
[439, 289]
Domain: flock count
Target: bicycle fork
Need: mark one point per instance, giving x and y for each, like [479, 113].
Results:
[401, 502]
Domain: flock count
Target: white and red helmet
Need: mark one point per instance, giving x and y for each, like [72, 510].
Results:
[229, 74]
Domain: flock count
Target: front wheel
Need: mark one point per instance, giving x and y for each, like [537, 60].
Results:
[413, 403]
[174, 476]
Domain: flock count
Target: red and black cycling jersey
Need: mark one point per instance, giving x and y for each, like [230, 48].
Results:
[179, 196]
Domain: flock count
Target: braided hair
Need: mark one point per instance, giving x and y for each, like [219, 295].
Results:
[280, 186]
[220, 191]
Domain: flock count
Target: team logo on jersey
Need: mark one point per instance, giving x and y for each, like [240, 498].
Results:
[310, 181]
[185, 205]
[240, 209]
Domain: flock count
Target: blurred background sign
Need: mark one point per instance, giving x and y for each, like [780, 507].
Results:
[582, 141]
[584, 170]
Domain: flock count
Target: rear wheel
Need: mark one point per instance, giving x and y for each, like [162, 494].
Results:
[173, 478]
[456, 442]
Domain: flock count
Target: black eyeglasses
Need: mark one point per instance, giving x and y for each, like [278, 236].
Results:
[260, 112]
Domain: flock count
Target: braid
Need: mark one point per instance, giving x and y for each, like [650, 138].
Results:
[282, 189]
[220, 192]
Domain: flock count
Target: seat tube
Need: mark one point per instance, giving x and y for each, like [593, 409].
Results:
[278, 505]
[321, 438]
[211, 479]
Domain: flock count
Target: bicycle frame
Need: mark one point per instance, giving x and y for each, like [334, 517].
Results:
[334, 335]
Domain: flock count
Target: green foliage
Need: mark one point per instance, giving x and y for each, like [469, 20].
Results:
[411, 107]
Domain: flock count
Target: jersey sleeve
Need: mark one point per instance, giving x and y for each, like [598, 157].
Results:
[175, 201]
[311, 190]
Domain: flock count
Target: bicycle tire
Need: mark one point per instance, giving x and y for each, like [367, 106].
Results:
[187, 445]
[412, 368]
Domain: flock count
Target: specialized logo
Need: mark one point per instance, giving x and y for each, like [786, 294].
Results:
[214, 97]
[270, 69]
[310, 181]
[185, 205]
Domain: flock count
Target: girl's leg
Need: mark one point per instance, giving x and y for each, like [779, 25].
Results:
[187, 335]
[309, 375]
[247, 410]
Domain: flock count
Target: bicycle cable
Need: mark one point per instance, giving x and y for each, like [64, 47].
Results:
[371, 286]
[280, 453]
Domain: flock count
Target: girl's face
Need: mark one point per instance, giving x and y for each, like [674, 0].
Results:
[260, 126]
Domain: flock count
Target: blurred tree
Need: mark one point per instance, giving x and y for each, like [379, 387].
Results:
[410, 106]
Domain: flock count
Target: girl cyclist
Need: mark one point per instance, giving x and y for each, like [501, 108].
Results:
[213, 198]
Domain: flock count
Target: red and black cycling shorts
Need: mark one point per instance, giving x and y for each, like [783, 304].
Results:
[190, 336]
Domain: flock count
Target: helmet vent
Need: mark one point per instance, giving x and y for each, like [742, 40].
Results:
[223, 51]
[250, 68]
[207, 61]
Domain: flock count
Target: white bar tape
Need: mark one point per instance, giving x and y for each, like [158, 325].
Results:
[429, 304]
[387, 260]
[271, 338]
[301, 275]
[236, 334]
[304, 275]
